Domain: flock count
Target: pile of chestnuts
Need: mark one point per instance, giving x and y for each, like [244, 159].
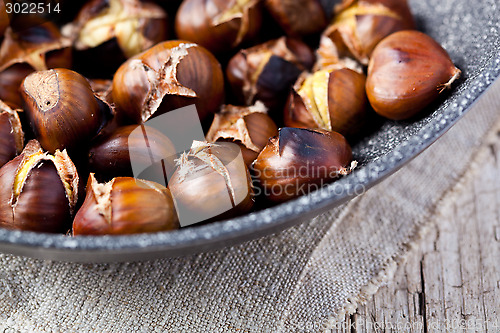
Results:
[285, 86]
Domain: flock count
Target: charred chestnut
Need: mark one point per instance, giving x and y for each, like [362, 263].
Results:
[266, 72]
[298, 161]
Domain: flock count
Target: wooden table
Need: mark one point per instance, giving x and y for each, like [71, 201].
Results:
[450, 281]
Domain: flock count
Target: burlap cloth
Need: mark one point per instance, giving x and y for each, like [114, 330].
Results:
[301, 280]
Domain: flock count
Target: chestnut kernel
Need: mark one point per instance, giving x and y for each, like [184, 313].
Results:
[168, 76]
[62, 109]
[11, 134]
[408, 70]
[211, 182]
[298, 161]
[267, 71]
[218, 25]
[330, 99]
[125, 206]
[38, 191]
[250, 127]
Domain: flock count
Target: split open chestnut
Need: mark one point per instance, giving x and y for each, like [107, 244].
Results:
[168, 76]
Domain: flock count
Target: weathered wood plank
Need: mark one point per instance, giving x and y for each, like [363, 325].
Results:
[450, 282]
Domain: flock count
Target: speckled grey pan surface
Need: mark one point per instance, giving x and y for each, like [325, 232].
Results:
[468, 30]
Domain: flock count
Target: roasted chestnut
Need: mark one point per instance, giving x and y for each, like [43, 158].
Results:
[301, 17]
[33, 49]
[11, 134]
[250, 127]
[359, 26]
[408, 70]
[132, 148]
[125, 206]
[4, 18]
[114, 30]
[38, 191]
[62, 109]
[218, 25]
[298, 161]
[168, 76]
[211, 182]
[330, 99]
[266, 72]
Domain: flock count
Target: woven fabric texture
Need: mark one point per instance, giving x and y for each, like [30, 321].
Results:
[301, 280]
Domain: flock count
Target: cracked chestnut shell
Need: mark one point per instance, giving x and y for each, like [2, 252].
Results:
[112, 31]
[11, 134]
[113, 155]
[408, 70]
[166, 77]
[211, 183]
[267, 71]
[62, 109]
[248, 126]
[299, 161]
[358, 26]
[36, 48]
[218, 25]
[332, 99]
[125, 206]
[38, 191]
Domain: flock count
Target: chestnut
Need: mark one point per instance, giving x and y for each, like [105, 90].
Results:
[168, 76]
[267, 71]
[300, 17]
[125, 206]
[4, 18]
[211, 182]
[146, 147]
[33, 49]
[408, 70]
[359, 26]
[218, 25]
[298, 161]
[248, 126]
[38, 191]
[102, 89]
[113, 31]
[62, 109]
[332, 99]
[11, 134]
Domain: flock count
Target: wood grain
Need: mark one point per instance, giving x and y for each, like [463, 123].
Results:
[450, 281]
